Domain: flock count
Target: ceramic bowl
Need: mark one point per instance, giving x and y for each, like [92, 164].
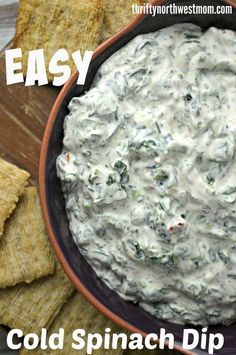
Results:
[125, 314]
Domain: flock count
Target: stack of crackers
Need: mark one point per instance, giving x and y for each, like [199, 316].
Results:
[70, 24]
[35, 293]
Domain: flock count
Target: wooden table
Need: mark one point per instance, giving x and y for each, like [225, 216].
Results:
[8, 11]
[23, 113]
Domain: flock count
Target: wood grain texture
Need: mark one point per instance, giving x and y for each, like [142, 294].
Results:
[23, 113]
[8, 12]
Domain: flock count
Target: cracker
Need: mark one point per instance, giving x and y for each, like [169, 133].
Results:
[34, 306]
[118, 14]
[25, 251]
[12, 183]
[52, 25]
[78, 313]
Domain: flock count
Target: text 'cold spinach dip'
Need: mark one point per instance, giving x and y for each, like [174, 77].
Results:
[148, 172]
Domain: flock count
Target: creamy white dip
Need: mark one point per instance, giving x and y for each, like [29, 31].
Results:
[148, 171]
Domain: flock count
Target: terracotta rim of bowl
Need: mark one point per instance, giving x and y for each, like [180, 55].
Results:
[42, 169]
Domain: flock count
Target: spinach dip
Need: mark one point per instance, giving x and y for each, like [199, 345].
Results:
[148, 171]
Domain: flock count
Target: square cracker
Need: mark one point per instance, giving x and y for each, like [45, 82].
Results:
[78, 313]
[118, 14]
[12, 183]
[34, 306]
[52, 25]
[25, 251]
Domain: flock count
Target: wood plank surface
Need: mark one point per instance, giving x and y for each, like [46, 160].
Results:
[23, 113]
[8, 12]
